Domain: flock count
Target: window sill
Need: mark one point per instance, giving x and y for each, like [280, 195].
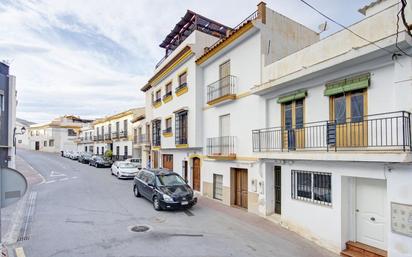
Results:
[182, 146]
[167, 134]
[182, 90]
[167, 99]
[157, 104]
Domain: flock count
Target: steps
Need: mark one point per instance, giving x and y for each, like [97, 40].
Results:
[356, 249]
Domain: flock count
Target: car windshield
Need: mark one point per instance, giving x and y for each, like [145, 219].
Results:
[127, 165]
[170, 180]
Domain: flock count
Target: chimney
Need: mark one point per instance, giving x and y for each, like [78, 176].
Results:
[261, 12]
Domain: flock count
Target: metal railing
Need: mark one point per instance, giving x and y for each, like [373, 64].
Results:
[183, 85]
[159, 100]
[167, 95]
[222, 87]
[107, 136]
[123, 134]
[142, 139]
[115, 135]
[221, 146]
[379, 132]
[167, 130]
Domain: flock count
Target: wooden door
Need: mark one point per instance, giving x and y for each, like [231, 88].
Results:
[168, 161]
[241, 188]
[196, 174]
[347, 112]
[278, 189]
[224, 78]
[155, 159]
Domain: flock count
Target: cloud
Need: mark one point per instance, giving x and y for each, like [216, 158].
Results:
[90, 57]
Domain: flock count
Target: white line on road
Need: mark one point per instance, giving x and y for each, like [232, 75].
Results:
[63, 179]
[50, 181]
[74, 177]
[56, 174]
[19, 252]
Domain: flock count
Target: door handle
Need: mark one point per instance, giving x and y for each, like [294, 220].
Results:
[372, 219]
[357, 210]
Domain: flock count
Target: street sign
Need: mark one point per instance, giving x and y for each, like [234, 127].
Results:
[13, 186]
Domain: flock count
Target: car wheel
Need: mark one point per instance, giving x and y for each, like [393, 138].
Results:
[96, 165]
[156, 203]
[118, 175]
[136, 191]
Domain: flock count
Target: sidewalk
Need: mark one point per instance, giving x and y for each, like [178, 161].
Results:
[11, 216]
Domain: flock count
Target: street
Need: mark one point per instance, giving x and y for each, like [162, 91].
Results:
[80, 210]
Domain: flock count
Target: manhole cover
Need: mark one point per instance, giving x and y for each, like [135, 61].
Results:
[139, 228]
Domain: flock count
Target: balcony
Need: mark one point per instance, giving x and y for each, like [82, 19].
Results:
[167, 97]
[123, 134]
[95, 138]
[115, 135]
[379, 132]
[181, 89]
[157, 103]
[107, 136]
[167, 132]
[142, 139]
[221, 148]
[221, 91]
[99, 137]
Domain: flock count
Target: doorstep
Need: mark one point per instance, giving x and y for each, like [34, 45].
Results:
[356, 249]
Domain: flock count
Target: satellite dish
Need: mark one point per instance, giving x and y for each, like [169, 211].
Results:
[323, 27]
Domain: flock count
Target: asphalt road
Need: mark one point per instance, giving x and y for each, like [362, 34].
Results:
[84, 211]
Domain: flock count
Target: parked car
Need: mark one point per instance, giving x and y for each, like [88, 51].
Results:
[99, 161]
[66, 153]
[74, 155]
[123, 169]
[136, 161]
[85, 157]
[164, 188]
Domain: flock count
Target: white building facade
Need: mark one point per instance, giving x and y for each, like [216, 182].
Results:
[85, 138]
[114, 133]
[174, 98]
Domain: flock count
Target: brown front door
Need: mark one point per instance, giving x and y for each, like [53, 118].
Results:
[196, 174]
[168, 161]
[241, 191]
[155, 159]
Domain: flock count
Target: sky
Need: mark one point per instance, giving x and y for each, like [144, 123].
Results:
[91, 57]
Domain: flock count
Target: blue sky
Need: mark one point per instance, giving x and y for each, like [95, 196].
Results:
[90, 58]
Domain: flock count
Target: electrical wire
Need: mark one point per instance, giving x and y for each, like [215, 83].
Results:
[346, 28]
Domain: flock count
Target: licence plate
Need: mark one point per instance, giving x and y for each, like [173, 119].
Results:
[185, 203]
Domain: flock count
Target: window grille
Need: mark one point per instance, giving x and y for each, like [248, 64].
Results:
[312, 186]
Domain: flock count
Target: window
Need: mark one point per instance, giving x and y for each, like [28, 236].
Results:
[97, 150]
[156, 133]
[168, 125]
[158, 95]
[299, 113]
[51, 142]
[183, 79]
[357, 107]
[168, 89]
[71, 132]
[45, 143]
[125, 127]
[218, 186]
[2, 102]
[181, 127]
[126, 154]
[340, 109]
[117, 152]
[20, 141]
[312, 186]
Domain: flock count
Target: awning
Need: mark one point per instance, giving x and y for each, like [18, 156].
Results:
[296, 95]
[347, 85]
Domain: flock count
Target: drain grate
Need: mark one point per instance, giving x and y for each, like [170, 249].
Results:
[140, 228]
[25, 229]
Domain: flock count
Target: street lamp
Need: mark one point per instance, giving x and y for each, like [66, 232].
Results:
[22, 131]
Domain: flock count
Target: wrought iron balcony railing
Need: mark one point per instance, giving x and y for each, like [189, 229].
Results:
[222, 88]
[142, 139]
[123, 134]
[379, 132]
[221, 146]
[115, 135]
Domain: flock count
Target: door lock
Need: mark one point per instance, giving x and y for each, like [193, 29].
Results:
[372, 219]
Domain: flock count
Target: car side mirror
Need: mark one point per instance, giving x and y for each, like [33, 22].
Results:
[150, 184]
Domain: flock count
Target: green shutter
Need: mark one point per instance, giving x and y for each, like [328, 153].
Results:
[292, 96]
[347, 85]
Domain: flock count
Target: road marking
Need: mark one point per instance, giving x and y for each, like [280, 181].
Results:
[56, 174]
[63, 179]
[19, 252]
[50, 181]
[74, 177]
